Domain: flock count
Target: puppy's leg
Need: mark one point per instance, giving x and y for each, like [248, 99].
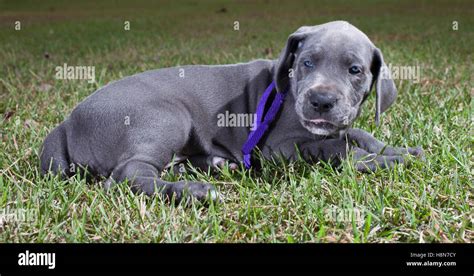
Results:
[334, 150]
[54, 154]
[204, 163]
[150, 145]
[143, 178]
[366, 141]
[329, 150]
[369, 162]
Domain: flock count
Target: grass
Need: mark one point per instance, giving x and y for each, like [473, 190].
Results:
[431, 201]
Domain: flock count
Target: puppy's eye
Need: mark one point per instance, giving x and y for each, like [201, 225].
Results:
[354, 70]
[308, 63]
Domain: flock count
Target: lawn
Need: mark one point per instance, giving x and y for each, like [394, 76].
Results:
[430, 201]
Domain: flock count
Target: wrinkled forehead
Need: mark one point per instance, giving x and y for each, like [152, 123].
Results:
[342, 40]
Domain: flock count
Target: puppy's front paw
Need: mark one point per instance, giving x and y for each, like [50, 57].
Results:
[201, 191]
[373, 162]
[219, 163]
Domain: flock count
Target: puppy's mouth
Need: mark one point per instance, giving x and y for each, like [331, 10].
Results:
[320, 126]
[321, 123]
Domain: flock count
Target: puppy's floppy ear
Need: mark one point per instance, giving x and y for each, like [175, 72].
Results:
[287, 57]
[385, 90]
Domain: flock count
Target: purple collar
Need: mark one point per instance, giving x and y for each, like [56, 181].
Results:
[262, 123]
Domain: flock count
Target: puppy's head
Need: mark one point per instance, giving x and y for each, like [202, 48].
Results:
[330, 70]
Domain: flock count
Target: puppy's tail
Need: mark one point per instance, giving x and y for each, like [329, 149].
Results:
[54, 154]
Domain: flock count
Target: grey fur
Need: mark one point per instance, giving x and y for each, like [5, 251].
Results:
[173, 115]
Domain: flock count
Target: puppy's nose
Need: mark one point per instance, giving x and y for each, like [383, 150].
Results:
[322, 101]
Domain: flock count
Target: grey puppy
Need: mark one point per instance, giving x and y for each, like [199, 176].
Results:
[132, 129]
